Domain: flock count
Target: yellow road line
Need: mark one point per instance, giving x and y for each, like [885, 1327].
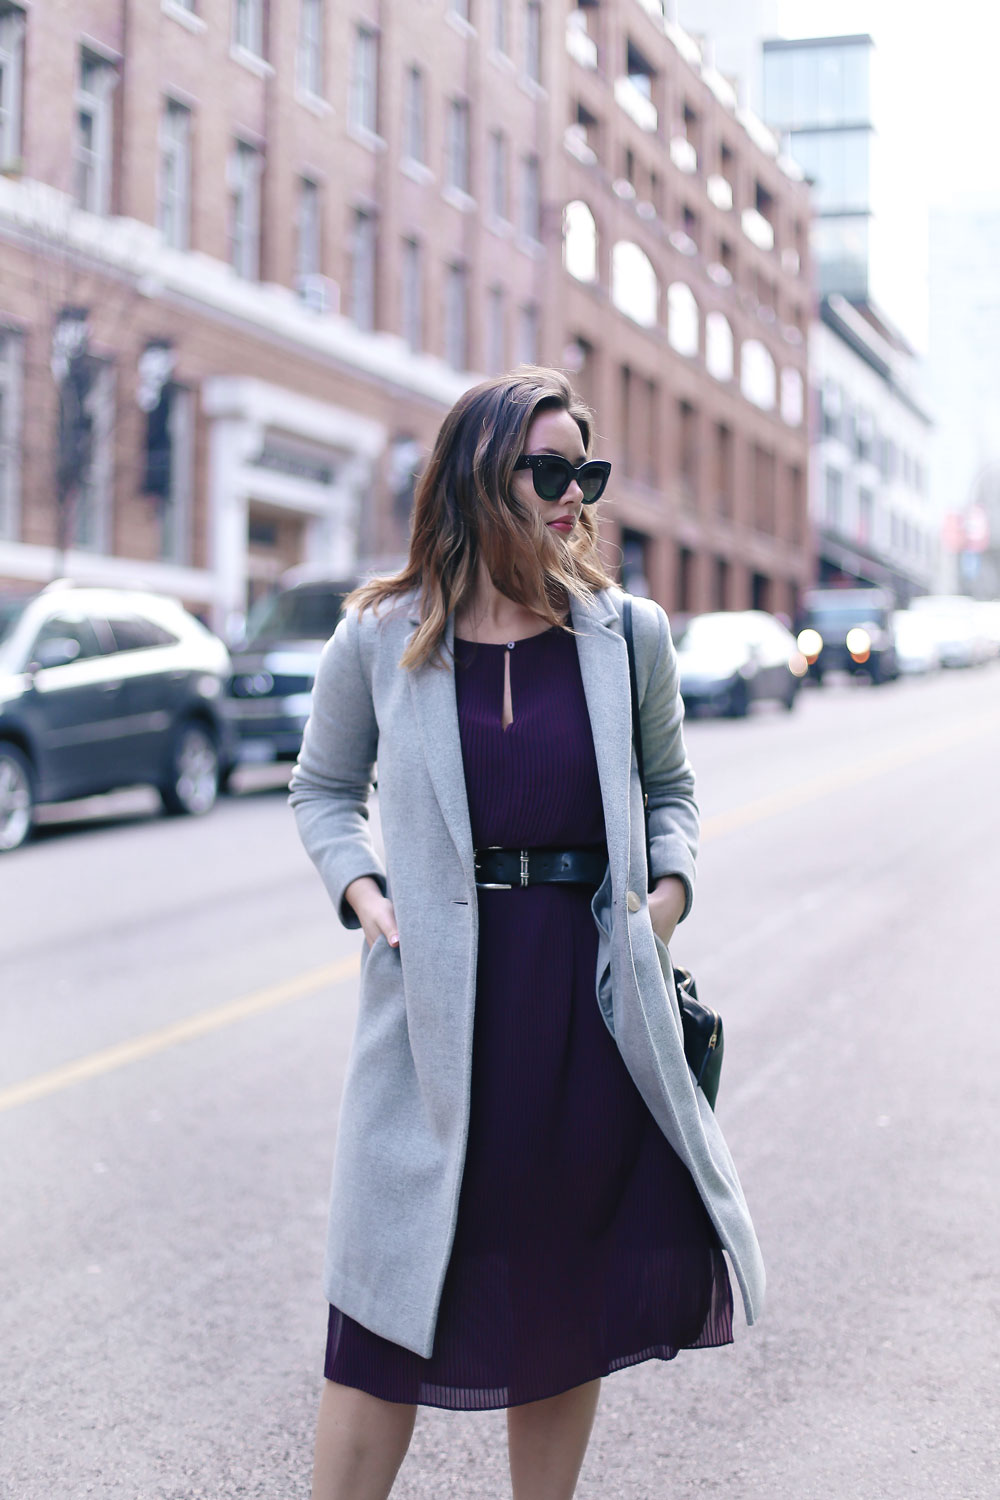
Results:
[124, 1053]
[845, 776]
[198, 1025]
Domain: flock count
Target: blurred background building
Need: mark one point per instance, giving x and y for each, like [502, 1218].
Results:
[964, 371]
[870, 475]
[250, 253]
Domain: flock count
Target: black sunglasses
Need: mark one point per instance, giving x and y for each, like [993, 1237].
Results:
[552, 475]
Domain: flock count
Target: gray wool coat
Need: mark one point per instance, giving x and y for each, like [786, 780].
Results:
[404, 1116]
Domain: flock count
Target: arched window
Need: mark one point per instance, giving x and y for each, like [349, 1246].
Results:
[635, 290]
[719, 346]
[792, 397]
[579, 241]
[758, 379]
[682, 319]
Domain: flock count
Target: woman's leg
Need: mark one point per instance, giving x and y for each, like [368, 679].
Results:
[360, 1443]
[546, 1441]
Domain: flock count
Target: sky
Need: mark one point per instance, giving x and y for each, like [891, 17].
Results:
[935, 112]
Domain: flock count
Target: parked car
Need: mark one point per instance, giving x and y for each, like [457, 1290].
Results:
[914, 642]
[848, 630]
[105, 688]
[275, 666]
[732, 658]
[958, 628]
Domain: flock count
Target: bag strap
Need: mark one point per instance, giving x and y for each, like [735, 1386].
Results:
[636, 719]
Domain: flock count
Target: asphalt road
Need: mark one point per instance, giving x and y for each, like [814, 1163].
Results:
[175, 1012]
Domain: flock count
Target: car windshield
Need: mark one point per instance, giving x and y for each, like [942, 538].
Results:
[710, 633]
[843, 616]
[12, 607]
[298, 614]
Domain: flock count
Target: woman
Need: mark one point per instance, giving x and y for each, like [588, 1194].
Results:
[529, 1192]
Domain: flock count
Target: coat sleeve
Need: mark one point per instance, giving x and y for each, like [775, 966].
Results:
[673, 812]
[332, 779]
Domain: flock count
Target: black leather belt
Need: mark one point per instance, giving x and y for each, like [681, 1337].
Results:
[503, 869]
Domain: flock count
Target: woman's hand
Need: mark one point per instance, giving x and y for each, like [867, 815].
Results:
[667, 901]
[374, 911]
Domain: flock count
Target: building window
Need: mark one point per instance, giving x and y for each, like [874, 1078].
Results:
[411, 290]
[11, 83]
[175, 514]
[533, 41]
[792, 397]
[719, 360]
[363, 111]
[415, 116]
[683, 321]
[244, 210]
[248, 26]
[92, 143]
[499, 175]
[311, 47]
[635, 290]
[496, 320]
[758, 377]
[308, 250]
[687, 424]
[90, 500]
[500, 25]
[10, 431]
[531, 199]
[458, 145]
[579, 241]
[363, 269]
[833, 499]
[723, 469]
[174, 197]
[456, 317]
[763, 479]
[528, 335]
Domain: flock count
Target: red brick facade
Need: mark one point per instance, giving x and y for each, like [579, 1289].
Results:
[295, 416]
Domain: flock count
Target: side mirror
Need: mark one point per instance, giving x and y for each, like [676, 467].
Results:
[57, 652]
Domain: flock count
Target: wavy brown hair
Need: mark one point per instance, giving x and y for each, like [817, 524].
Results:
[466, 512]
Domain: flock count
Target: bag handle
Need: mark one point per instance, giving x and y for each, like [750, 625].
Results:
[636, 722]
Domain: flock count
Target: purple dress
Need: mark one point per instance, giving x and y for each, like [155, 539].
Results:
[582, 1245]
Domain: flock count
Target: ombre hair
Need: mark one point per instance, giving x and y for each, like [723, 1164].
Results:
[465, 512]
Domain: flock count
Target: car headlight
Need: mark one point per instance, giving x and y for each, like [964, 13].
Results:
[810, 643]
[859, 643]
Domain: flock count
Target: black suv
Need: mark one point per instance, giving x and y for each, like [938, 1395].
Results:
[105, 688]
[274, 667]
[848, 630]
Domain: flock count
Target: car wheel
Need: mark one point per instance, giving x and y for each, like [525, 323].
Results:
[790, 697]
[738, 702]
[17, 798]
[192, 782]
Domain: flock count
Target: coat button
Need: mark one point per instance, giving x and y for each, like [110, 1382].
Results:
[633, 902]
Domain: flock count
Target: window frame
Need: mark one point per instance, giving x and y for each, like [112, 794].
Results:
[94, 160]
[245, 172]
[177, 147]
[13, 24]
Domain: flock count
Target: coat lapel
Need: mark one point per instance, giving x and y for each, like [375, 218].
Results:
[604, 669]
[435, 709]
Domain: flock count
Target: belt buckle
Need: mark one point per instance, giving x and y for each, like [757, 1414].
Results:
[486, 885]
[524, 868]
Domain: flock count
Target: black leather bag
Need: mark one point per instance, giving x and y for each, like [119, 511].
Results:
[702, 1026]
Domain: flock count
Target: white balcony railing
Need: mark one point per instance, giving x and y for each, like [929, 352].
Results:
[581, 47]
[636, 105]
[682, 154]
[720, 191]
[757, 229]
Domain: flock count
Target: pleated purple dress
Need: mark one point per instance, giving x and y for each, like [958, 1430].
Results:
[582, 1245]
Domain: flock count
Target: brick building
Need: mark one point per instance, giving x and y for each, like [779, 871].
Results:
[250, 251]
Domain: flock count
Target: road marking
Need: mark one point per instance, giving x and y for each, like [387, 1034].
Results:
[845, 776]
[120, 1056]
[202, 1024]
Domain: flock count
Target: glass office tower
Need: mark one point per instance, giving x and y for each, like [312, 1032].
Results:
[817, 98]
